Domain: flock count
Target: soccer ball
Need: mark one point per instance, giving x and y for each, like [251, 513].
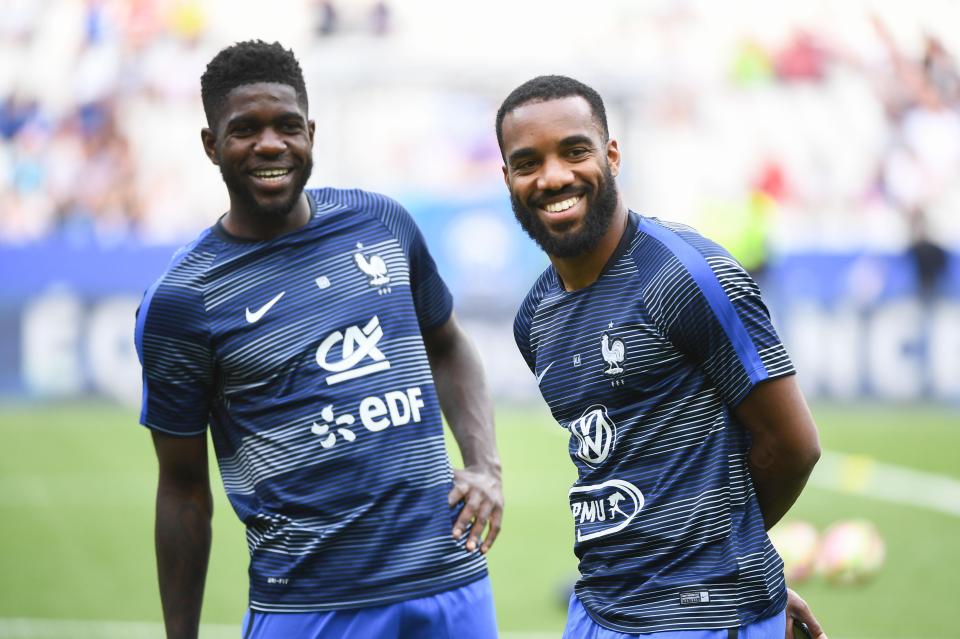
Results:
[852, 552]
[797, 543]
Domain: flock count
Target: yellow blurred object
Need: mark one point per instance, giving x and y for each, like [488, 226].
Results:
[187, 19]
[741, 227]
[856, 473]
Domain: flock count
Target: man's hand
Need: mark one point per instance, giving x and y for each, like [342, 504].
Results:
[482, 497]
[797, 609]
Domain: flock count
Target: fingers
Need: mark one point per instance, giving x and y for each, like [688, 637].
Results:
[799, 612]
[463, 521]
[482, 507]
[493, 531]
[476, 510]
[459, 489]
[479, 523]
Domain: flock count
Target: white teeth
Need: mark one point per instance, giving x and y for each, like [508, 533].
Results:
[271, 173]
[562, 206]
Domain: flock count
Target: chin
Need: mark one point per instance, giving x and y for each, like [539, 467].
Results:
[278, 209]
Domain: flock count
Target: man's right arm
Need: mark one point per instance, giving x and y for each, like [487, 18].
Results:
[183, 533]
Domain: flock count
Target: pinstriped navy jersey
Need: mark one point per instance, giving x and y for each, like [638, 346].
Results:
[643, 368]
[304, 355]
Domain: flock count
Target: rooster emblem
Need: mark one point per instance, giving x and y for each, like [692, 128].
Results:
[613, 351]
[375, 268]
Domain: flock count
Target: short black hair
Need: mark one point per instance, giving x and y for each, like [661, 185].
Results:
[552, 87]
[248, 62]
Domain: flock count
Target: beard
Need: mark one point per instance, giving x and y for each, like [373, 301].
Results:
[237, 185]
[596, 222]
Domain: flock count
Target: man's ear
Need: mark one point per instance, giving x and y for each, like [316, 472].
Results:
[506, 176]
[613, 157]
[209, 144]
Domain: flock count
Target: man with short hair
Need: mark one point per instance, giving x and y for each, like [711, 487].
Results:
[651, 345]
[311, 331]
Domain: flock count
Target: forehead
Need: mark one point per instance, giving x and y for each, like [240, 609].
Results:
[260, 97]
[534, 123]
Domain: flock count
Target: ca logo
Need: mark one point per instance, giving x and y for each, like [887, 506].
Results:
[356, 344]
[596, 433]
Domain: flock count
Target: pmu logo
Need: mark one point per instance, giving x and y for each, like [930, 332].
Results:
[604, 509]
[356, 344]
[596, 434]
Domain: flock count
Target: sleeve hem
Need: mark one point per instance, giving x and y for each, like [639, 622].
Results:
[174, 433]
[440, 322]
[742, 395]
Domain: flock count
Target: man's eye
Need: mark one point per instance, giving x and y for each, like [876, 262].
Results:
[577, 152]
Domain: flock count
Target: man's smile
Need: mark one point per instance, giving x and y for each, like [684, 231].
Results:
[563, 205]
[272, 178]
[270, 174]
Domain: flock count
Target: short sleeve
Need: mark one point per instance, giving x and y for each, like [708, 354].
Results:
[431, 297]
[710, 308]
[174, 350]
[523, 323]
[521, 334]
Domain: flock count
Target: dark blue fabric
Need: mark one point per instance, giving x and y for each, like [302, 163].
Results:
[305, 355]
[716, 297]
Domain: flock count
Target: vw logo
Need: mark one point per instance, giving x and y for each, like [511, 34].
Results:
[596, 434]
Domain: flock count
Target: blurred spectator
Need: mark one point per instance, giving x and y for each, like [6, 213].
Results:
[380, 18]
[325, 17]
[85, 147]
[928, 257]
[804, 58]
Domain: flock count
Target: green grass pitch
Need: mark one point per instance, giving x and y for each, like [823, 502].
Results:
[76, 516]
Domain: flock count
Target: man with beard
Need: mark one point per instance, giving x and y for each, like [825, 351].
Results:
[651, 345]
[307, 329]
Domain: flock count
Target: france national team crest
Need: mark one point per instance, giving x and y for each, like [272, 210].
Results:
[614, 351]
[375, 268]
[596, 434]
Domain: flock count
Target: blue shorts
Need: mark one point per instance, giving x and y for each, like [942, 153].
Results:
[581, 626]
[464, 613]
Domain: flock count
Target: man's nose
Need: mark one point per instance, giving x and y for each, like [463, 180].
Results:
[270, 143]
[555, 175]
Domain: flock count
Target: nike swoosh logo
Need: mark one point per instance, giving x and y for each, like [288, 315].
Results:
[543, 372]
[254, 317]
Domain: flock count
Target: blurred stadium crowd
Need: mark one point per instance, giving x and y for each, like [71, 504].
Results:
[73, 160]
[818, 141]
[796, 134]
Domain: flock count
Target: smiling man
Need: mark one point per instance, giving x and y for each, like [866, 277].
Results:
[651, 345]
[310, 332]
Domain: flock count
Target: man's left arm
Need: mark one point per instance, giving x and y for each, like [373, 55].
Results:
[465, 401]
[785, 446]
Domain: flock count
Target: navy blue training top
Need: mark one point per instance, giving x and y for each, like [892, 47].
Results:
[643, 367]
[304, 356]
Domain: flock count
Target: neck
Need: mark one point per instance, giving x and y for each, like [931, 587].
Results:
[244, 223]
[583, 270]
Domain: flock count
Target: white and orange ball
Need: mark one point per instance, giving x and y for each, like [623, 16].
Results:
[851, 552]
[797, 543]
